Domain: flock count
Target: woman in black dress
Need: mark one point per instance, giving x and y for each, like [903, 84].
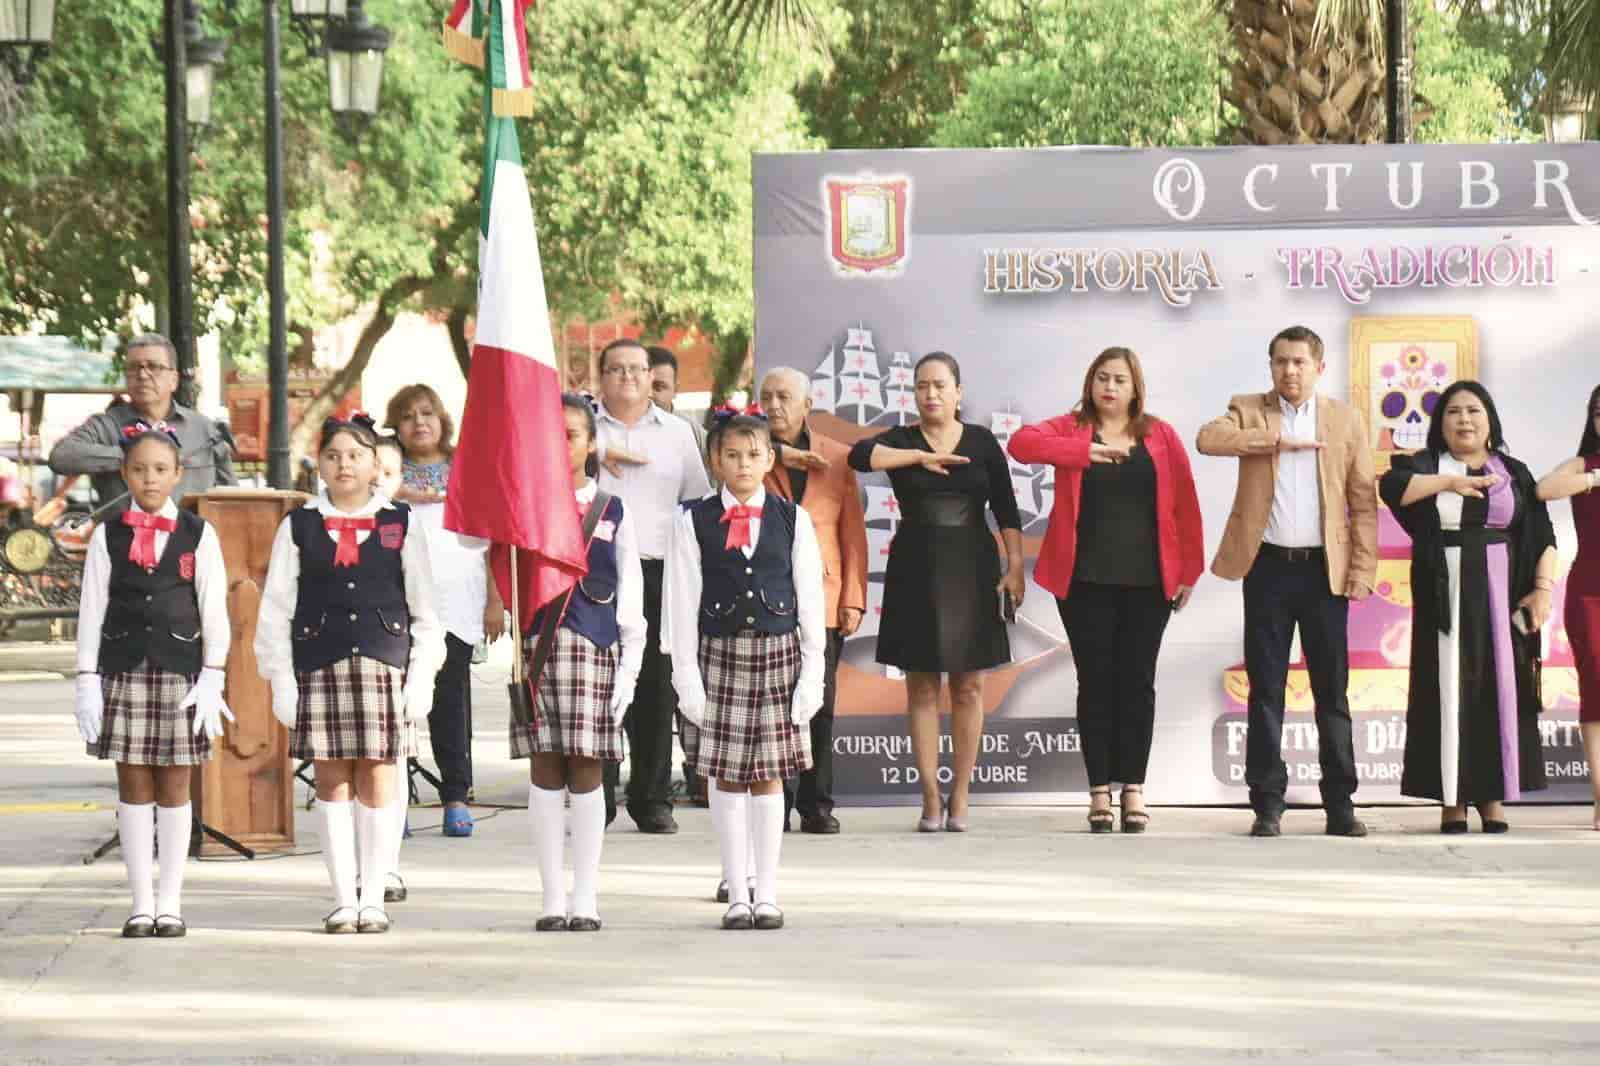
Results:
[942, 588]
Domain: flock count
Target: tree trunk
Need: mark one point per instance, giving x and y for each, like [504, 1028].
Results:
[732, 369]
[1290, 87]
[456, 325]
[347, 377]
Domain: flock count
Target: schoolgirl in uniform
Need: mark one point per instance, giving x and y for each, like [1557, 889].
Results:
[153, 639]
[391, 459]
[744, 592]
[584, 689]
[348, 637]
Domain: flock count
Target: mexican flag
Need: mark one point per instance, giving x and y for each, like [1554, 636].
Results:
[509, 478]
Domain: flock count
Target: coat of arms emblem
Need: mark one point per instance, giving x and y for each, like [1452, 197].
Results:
[867, 223]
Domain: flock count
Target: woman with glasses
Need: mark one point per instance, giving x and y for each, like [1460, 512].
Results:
[1577, 479]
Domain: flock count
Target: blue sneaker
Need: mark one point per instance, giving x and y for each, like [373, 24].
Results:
[457, 822]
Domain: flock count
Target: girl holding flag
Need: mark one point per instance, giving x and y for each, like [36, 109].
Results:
[348, 637]
[153, 639]
[744, 599]
[585, 686]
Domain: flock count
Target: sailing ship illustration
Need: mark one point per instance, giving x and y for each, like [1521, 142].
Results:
[899, 390]
[1024, 478]
[848, 382]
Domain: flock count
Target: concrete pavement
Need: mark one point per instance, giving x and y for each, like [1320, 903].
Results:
[1025, 940]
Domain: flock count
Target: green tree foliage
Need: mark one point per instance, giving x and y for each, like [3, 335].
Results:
[1463, 84]
[1096, 73]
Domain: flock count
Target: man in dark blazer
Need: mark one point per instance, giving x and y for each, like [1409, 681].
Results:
[814, 474]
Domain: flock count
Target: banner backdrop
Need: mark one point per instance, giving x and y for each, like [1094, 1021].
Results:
[1416, 264]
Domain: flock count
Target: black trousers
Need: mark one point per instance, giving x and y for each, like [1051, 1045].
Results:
[450, 721]
[648, 721]
[812, 792]
[1281, 591]
[1115, 632]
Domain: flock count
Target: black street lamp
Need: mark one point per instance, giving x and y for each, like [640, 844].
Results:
[26, 30]
[311, 17]
[355, 70]
[200, 58]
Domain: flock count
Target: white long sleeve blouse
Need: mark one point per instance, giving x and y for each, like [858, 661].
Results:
[680, 609]
[274, 647]
[210, 587]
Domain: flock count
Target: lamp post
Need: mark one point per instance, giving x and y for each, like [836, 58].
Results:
[26, 29]
[355, 70]
[1397, 85]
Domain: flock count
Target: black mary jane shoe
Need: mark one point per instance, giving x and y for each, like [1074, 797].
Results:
[339, 921]
[1102, 821]
[739, 916]
[551, 923]
[767, 916]
[1133, 821]
[394, 889]
[170, 927]
[138, 927]
[372, 920]
[581, 924]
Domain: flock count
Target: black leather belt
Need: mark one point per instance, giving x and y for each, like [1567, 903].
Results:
[944, 509]
[1293, 555]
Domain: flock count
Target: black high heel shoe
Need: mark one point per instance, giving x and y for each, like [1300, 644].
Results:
[1102, 821]
[1133, 821]
[1492, 825]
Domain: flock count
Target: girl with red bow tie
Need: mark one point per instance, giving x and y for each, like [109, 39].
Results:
[348, 637]
[744, 616]
[582, 692]
[152, 644]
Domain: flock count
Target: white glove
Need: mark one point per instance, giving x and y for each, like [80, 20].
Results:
[694, 712]
[621, 697]
[206, 699]
[285, 699]
[416, 698]
[90, 707]
[804, 705]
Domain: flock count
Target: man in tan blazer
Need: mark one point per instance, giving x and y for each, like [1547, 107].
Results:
[814, 474]
[1304, 536]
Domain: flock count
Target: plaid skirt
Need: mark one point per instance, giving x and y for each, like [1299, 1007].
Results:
[747, 734]
[572, 705]
[351, 710]
[142, 724]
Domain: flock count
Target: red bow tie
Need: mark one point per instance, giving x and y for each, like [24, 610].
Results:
[738, 519]
[349, 552]
[142, 552]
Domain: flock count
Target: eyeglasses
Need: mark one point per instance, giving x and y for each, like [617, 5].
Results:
[145, 370]
[630, 371]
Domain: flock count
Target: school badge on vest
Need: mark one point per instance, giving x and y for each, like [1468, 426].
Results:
[392, 535]
[186, 566]
[868, 223]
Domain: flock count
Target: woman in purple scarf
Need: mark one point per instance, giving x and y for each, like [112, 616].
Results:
[1482, 569]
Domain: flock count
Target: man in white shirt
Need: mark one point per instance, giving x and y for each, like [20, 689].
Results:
[1303, 534]
[652, 462]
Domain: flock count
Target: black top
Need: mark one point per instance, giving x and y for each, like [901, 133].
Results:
[153, 615]
[344, 611]
[797, 477]
[1117, 539]
[739, 593]
[986, 478]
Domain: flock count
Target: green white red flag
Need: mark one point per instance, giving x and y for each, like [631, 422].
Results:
[509, 478]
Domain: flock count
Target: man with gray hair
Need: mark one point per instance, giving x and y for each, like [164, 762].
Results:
[149, 365]
[814, 474]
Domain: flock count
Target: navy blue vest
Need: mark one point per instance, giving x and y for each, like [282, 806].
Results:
[153, 614]
[738, 593]
[592, 609]
[343, 611]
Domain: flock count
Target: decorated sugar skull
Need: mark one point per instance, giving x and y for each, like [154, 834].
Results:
[1409, 385]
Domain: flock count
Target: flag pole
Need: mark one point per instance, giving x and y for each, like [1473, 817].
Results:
[516, 622]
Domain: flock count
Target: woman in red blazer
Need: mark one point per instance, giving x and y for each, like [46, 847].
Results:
[1123, 550]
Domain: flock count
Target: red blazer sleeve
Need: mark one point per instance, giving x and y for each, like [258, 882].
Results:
[1058, 442]
[1186, 511]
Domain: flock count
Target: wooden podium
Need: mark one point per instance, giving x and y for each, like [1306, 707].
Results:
[247, 789]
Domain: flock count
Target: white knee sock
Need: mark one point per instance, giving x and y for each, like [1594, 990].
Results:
[399, 808]
[373, 828]
[733, 834]
[766, 835]
[339, 849]
[547, 816]
[136, 836]
[588, 833]
[173, 825]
